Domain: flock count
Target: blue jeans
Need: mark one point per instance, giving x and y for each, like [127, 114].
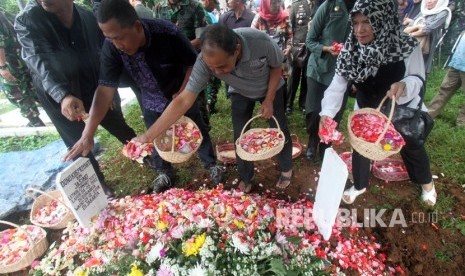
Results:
[206, 152]
[241, 111]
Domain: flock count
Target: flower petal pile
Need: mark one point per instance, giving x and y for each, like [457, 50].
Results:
[187, 138]
[390, 169]
[329, 134]
[347, 158]
[50, 213]
[209, 232]
[14, 243]
[260, 140]
[370, 126]
[137, 151]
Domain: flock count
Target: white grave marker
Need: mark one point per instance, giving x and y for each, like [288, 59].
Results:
[329, 191]
[82, 190]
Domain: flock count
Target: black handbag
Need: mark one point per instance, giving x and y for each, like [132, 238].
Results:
[412, 123]
[299, 54]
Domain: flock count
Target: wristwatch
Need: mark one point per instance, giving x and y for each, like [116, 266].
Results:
[3, 67]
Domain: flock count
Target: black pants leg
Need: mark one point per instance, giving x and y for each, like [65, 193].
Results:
[241, 111]
[285, 156]
[160, 165]
[115, 123]
[360, 170]
[303, 87]
[416, 161]
[206, 152]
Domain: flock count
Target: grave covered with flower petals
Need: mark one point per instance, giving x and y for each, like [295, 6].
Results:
[208, 232]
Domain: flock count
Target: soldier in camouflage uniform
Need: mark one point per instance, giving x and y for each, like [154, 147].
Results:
[301, 14]
[189, 16]
[15, 80]
[215, 83]
[457, 24]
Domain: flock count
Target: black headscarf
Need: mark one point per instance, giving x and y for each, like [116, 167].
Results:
[357, 62]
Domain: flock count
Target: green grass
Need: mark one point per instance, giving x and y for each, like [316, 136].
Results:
[26, 143]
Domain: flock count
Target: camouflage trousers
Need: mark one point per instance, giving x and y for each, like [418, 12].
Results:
[22, 95]
[212, 93]
[203, 107]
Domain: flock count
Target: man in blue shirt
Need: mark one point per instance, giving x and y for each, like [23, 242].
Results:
[159, 58]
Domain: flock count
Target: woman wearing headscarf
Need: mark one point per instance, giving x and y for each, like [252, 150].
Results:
[274, 20]
[380, 60]
[427, 25]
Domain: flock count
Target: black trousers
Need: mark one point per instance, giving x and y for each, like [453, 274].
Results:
[241, 111]
[297, 76]
[71, 132]
[315, 94]
[415, 159]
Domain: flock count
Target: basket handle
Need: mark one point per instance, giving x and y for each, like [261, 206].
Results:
[255, 117]
[30, 190]
[391, 113]
[29, 238]
[172, 138]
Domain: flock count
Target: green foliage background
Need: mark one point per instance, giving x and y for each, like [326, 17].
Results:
[10, 6]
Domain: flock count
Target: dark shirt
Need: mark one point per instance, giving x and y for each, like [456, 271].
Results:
[65, 61]
[229, 19]
[373, 89]
[74, 38]
[158, 68]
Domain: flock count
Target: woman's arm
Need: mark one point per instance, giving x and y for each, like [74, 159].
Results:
[332, 100]
[433, 22]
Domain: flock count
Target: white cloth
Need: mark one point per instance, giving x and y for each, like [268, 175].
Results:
[441, 5]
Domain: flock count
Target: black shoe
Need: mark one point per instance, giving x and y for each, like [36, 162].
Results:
[161, 183]
[216, 174]
[310, 154]
[35, 122]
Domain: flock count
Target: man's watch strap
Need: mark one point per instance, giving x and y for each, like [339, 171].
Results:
[3, 67]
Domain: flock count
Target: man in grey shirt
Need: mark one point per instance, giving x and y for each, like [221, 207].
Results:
[250, 62]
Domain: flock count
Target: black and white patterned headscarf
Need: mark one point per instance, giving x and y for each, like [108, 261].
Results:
[357, 62]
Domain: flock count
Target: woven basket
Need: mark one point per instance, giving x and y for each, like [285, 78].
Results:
[263, 155]
[173, 156]
[393, 175]
[36, 250]
[373, 151]
[44, 199]
[297, 146]
[220, 153]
